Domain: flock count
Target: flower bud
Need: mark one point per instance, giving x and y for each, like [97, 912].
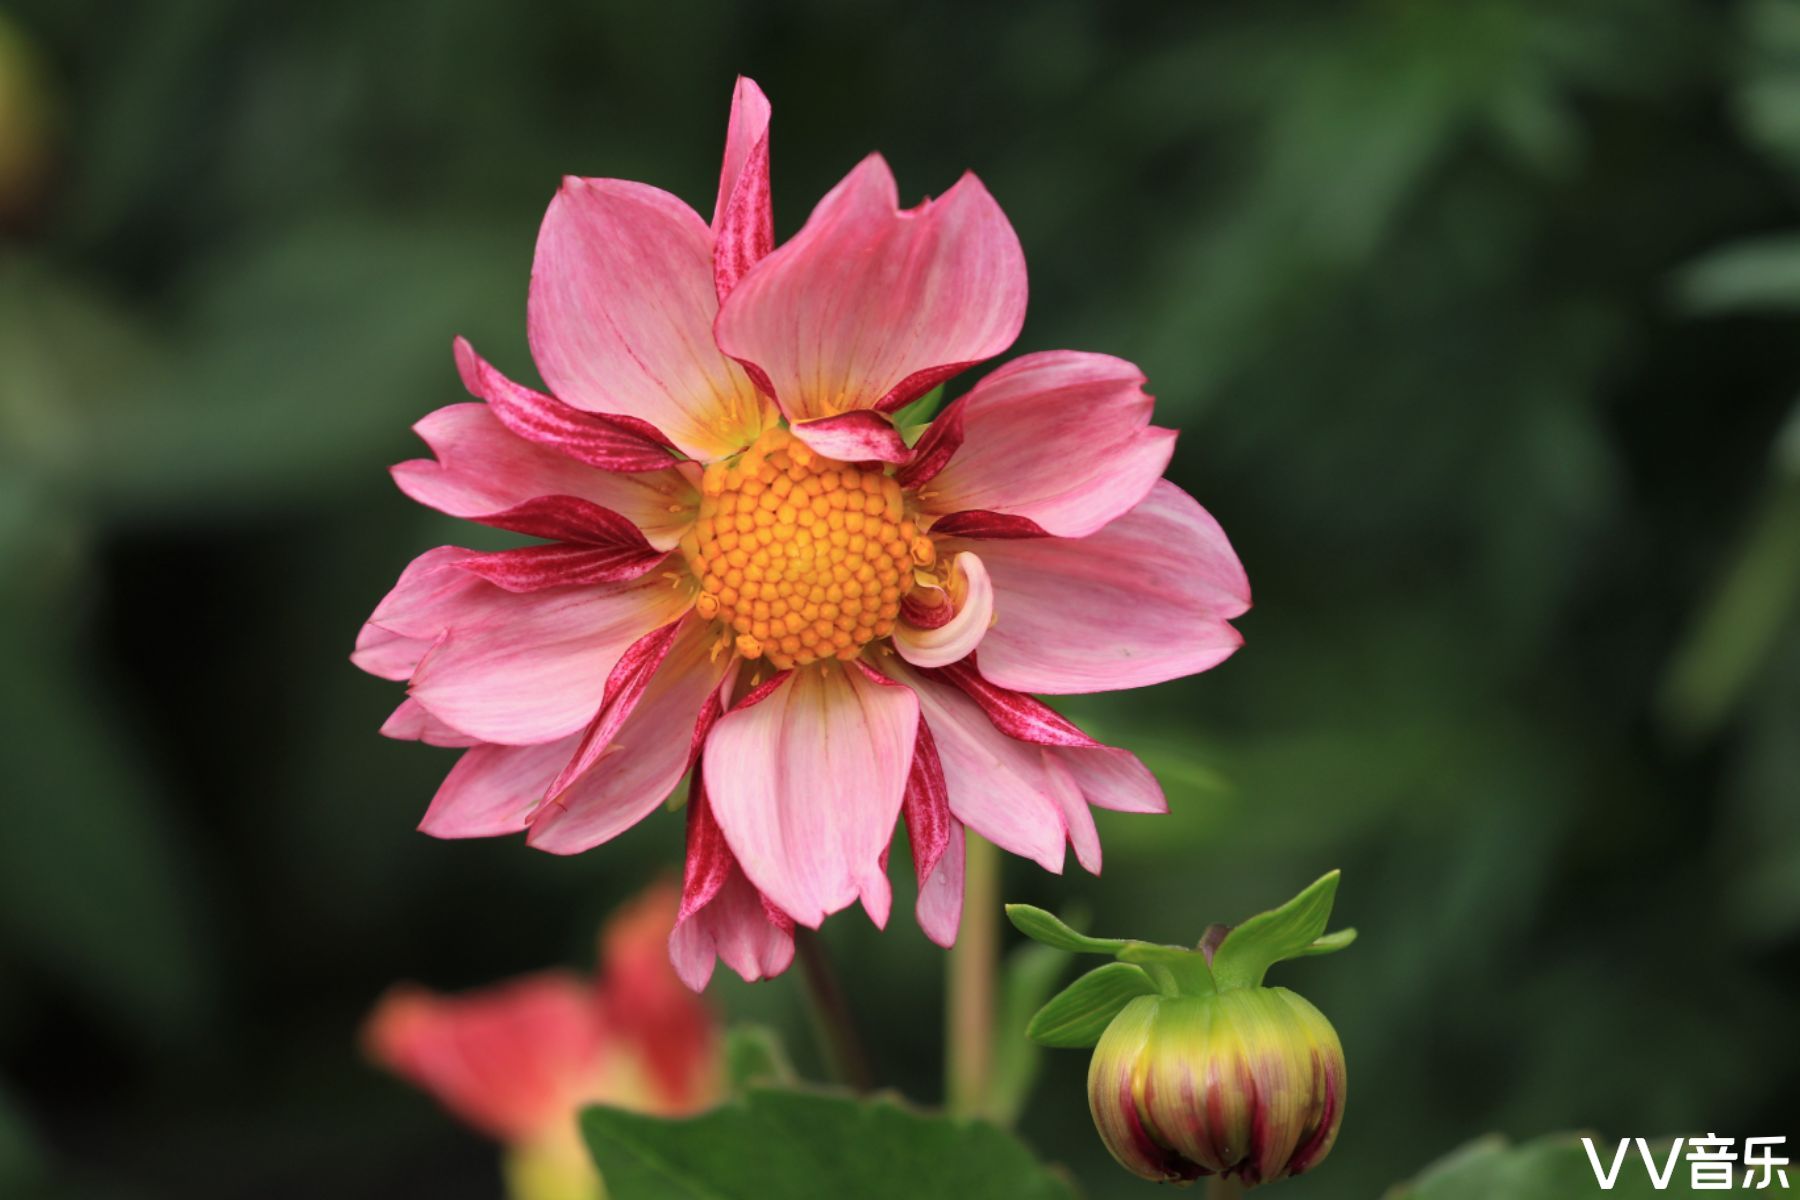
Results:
[1246, 1082]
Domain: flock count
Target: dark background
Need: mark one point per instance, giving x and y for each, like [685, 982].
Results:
[1478, 318]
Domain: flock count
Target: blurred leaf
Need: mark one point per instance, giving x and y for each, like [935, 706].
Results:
[1076, 1016]
[1552, 1168]
[812, 1146]
[21, 1166]
[754, 1055]
[1728, 642]
[1250, 949]
[1761, 274]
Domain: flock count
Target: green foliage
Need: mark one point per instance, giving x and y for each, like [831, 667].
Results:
[1028, 977]
[754, 1056]
[1080, 1013]
[812, 1146]
[1049, 930]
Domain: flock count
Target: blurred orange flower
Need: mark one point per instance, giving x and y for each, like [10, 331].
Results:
[519, 1059]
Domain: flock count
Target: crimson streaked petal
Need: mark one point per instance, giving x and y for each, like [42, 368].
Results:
[482, 469]
[1014, 713]
[609, 442]
[743, 221]
[563, 564]
[939, 908]
[977, 523]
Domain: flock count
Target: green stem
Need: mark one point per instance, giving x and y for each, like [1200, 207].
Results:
[1220, 1188]
[969, 1062]
[832, 1022]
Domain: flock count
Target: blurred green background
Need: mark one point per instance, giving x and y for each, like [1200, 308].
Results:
[1479, 320]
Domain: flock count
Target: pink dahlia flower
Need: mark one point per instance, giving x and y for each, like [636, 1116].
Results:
[517, 1060]
[748, 567]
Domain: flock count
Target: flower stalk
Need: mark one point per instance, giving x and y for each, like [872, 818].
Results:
[974, 961]
[835, 1028]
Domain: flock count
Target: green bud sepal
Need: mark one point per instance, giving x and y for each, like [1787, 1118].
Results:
[1225, 959]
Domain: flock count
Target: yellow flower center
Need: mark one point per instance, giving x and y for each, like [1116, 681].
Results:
[804, 558]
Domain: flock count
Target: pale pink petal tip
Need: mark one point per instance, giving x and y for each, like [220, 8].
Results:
[1062, 439]
[817, 770]
[1146, 599]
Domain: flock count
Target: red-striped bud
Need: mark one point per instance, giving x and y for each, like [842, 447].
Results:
[1246, 1083]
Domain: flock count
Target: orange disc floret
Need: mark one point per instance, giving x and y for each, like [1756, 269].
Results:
[802, 557]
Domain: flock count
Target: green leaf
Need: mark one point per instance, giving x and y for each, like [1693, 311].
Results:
[1758, 275]
[1331, 943]
[802, 1145]
[1080, 1013]
[921, 411]
[1551, 1168]
[1249, 950]
[1041, 926]
[1028, 978]
[754, 1055]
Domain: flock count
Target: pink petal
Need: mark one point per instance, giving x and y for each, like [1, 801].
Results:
[411, 723]
[1063, 439]
[620, 316]
[1113, 778]
[1144, 600]
[940, 645]
[926, 804]
[655, 1019]
[871, 307]
[722, 915]
[493, 790]
[609, 442]
[743, 218]
[482, 468]
[521, 669]
[512, 1060]
[939, 910]
[976, 523]
[629, 764]
[997, 784]
[807, 784]
[414, 614]
[1077, 817]
[856, 436]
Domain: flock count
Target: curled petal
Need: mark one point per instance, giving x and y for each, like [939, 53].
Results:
[956, 638]
[817, 769]
[620, 316]
[855, 436]
[608, 442]
[521, 669]
[1146, 599]
[482, 469]
[1062, 439]
[871, 307]
[743, 217]
[633, 753]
